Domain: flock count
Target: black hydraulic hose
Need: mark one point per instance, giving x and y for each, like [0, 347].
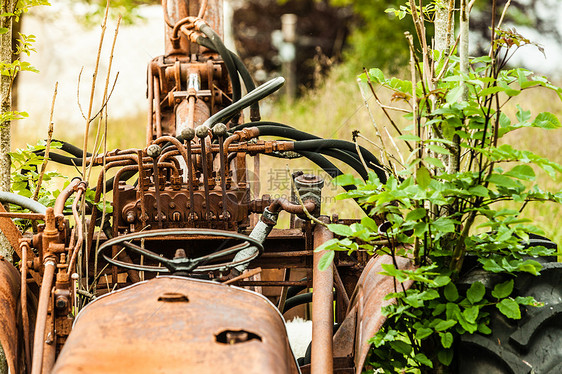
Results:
[262, 123]
[317, 145]
[244, 73]
[349, 158]
[294, 301]
[66, 147]
[281, 130]
[227, 58]
[259, 93]
[65, 160]
[294, 290]
[297, 300]
[307, 141]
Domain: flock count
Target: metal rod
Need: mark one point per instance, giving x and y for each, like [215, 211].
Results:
[24, 315]
[42, 310]
[158, 109]
[223, 178]
[190, 181]
[150, 127]
[31, 216]
[205, 179]
[322, 307]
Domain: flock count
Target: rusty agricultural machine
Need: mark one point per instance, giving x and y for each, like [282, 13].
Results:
[188, 273]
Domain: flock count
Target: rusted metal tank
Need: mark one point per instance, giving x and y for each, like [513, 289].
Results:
[178, 325]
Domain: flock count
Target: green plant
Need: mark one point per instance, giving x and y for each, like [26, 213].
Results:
[440, 202]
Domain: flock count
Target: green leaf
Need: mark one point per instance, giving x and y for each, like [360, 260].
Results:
[502, 290]
[445, 325]
[344, 180]
[434, 162]
[479, 191]
[476, 292]
[422, 359]
[410, 137]
[446, 339]
[370, 223]
[330, 244]
[509, 308]
[441, 280]
[451, 293]
[483, 329]
[491, 90]
[503, 181]
[546, 120]
[470, 314]
[402, 347]
[444, 225]
[438, 149]
[423, 177]
[416, 214]
[445, 356]
[523, 172]
[377, 75]
[326, 260]
[423, 333]
[339, 229]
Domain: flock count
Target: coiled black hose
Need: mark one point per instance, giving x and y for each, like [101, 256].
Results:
[259, 93]
[347, 155]
[227, 58]
[317, 145]
[244, 73]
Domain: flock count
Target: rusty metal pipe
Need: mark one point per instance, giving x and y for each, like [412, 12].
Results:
[158, 108]
[190, 178]
[42, 310]
[24, 315]
[284, 204]
[205, 179]
[150, 126]
[322, 307]
[64, 195]
[175, 142]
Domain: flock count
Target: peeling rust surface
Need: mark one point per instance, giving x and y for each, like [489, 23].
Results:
[131, 330]
[365, 308]
[9, 296]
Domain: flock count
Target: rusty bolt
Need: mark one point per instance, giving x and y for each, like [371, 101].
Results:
[153, 150]
[61, 302]
[219, 129]
[172, 205]
[202, 131]
[130, 216]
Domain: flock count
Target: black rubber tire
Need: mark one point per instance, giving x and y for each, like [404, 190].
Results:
[532, 344]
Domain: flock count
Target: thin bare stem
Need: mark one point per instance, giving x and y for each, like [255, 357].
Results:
[47, 146]
[507, 4]
[105, 90]
[93, 90]
[384, 109]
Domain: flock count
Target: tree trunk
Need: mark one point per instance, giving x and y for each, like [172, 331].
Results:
[5, 107]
